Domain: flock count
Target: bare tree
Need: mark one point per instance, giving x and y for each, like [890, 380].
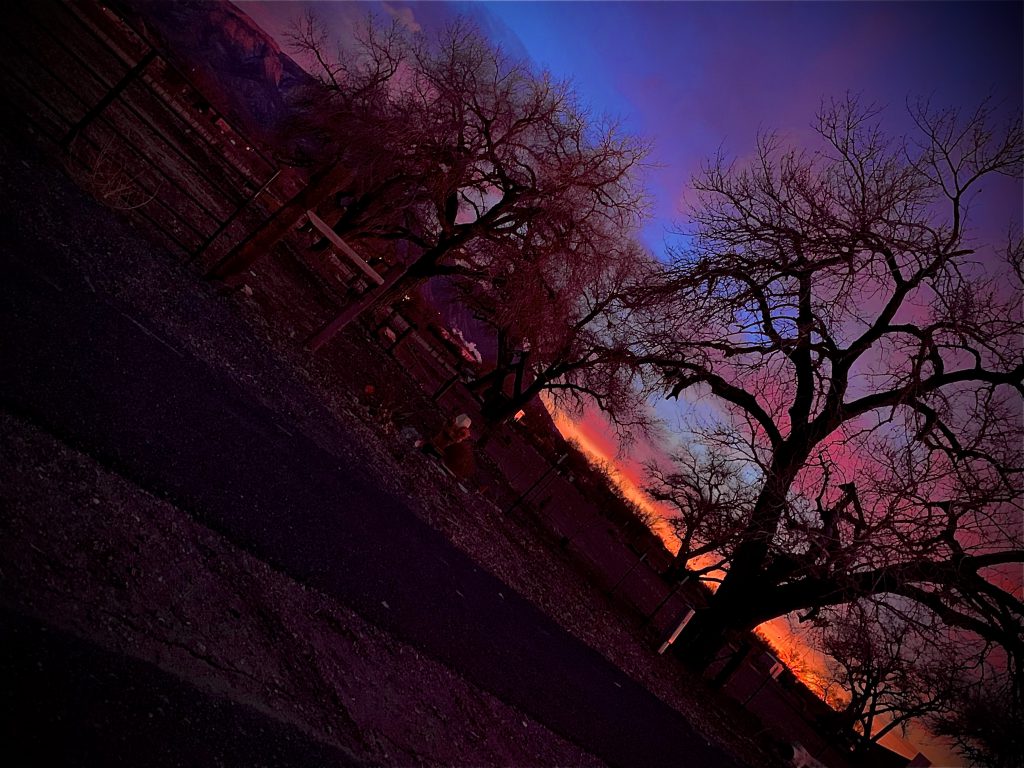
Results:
[710, 497]
[984, 723]
[891, 667]
[834, 310]
[458, 146]
[556, 307]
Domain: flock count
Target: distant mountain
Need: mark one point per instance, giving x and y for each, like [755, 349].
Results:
[238, 66]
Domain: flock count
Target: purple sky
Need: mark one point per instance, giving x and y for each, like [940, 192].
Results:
[699, 76]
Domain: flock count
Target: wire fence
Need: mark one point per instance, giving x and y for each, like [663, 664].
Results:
[130, 128]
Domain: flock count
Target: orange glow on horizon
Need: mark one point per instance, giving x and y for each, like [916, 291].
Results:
[805, 662]
[577, 433]
[583, 435]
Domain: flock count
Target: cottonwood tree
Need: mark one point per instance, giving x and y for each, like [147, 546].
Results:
[709, 498]
[865, 353]
[461, 145]
[557, 308]
[984, 723]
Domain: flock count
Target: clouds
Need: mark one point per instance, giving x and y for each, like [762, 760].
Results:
[405, 16]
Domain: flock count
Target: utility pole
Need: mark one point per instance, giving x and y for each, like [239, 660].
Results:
[537, 482]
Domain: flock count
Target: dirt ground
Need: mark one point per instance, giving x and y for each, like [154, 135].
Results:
[75, 529]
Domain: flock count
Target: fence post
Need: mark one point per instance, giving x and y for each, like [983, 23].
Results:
[263, 238]
[537, 482]
[353, 310]
[105, 102]
[445, 387]
[677, 631]
[386, 321]
[234, 215]
[632, 568]
[406, 333]
[672, 593]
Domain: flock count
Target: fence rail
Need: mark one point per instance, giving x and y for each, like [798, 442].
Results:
[130, 128]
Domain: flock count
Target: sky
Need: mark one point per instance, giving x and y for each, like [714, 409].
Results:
[697, 77]
[701, 77]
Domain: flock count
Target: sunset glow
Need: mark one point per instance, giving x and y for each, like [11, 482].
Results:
[292, 287]
[626, 475]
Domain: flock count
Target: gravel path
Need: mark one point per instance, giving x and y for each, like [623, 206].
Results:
[86, 551]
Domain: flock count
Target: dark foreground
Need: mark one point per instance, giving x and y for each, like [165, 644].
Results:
[89, 373]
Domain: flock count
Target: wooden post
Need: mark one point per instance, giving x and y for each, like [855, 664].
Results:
[354, 310]
[344, 247]
[234, 215]
[386, 321]
[262, 239]
[108, 99]
[669, 596]
[677, 631]
[632, 568]
[401, 337]
[537, 482]
[445, 387]
[732, 666]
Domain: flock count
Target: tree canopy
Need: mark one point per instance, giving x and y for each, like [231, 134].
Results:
[463, 153]
[865, 369]
[858, 350]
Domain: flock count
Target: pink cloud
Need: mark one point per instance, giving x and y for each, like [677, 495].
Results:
[404, 14]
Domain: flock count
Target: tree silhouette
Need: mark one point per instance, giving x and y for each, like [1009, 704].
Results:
[891, 665]
[864, 367]
[984, 723]
[555, 308]
[457, 151]
[710, 499]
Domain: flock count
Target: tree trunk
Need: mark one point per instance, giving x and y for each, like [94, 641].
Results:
[501, 408]
[497, 408]
[707, 633]
[703, 638]
[739, 603]
[732, 666]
